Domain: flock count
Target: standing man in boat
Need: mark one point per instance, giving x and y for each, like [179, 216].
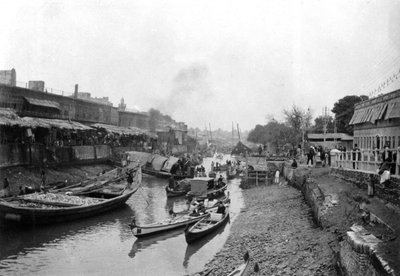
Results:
[171, 183]
[129, 179]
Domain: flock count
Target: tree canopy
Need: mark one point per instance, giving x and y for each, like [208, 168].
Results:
[344, 110]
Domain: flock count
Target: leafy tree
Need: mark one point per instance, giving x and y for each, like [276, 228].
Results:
[319, 124]
[299, 120]
[344, 110]
[278, 134]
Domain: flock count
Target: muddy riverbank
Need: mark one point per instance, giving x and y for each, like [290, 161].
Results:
[277, 229]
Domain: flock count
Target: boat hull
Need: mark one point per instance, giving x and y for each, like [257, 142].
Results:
[143, 231]
[162, 174]
[192, 236]
[31, 216]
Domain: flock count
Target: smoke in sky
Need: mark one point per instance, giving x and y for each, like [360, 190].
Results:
[192, 84]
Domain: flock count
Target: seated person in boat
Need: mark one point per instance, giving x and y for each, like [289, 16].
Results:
[220, 181]
[221, 208]
[201, 209]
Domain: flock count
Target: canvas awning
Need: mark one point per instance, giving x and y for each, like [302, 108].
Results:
[393, 110]
[169, 163]
[158, 162]
[369, 114]
[43, 103]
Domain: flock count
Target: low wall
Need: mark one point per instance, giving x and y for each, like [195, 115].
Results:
[356, 254]
[389, 191]
[14, 155]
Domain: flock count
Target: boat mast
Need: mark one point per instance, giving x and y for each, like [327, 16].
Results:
[210, 131]
[238, 131]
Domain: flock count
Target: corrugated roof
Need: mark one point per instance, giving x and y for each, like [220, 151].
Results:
[44, 103]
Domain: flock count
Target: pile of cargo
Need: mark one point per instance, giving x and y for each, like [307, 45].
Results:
[61, 199]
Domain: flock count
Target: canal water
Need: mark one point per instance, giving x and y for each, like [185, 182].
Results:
[104, 244]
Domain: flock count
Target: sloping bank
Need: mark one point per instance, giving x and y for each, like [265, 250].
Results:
[339, 208]
[275, 226]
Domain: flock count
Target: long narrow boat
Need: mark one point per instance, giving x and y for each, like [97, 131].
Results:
[243, 269]
[205, 226]
[158, 227]
[46, 208]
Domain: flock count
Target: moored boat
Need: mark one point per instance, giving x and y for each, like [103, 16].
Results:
[46, 208]
[158, 227]
[206, 225]
[205, 187]
[178, 188]
[243, 269]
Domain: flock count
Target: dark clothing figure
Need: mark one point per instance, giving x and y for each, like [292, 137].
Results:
[221, 209]
[129, 179]
[21, 191]
[171, 183]
[356, 155]
[294, 164]
[6, 184]
[220, 181]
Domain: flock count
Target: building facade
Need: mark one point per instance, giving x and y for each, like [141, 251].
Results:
[377, 122]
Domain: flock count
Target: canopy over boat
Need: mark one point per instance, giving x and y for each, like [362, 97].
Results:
[158, 161]
[199, 185]
[142, 157]
[171, 161]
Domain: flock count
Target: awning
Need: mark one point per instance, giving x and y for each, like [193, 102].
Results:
[124, 130]
[8, 117]
[43, 103]
[169, 163]
[56, 123]
[393, 110]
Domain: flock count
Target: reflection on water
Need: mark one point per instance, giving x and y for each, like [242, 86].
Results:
[104, 243]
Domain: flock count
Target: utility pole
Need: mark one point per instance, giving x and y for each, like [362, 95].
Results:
[238, 131]
[325, 122]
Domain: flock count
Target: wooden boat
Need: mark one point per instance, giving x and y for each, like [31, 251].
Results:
[157, 227]
[205, 187]
[163, 167]
[206, 225]
[181, 188]
[243, 269]
[46, 208]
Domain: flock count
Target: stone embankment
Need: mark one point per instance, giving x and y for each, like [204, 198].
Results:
[340, 230]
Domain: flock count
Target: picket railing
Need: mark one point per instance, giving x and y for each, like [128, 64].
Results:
[365, 160]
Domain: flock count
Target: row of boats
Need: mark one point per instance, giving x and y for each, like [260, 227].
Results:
[111, 190]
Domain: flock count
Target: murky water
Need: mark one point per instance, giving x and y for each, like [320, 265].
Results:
[104, 245]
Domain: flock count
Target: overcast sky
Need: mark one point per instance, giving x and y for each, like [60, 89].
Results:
[206, 61]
